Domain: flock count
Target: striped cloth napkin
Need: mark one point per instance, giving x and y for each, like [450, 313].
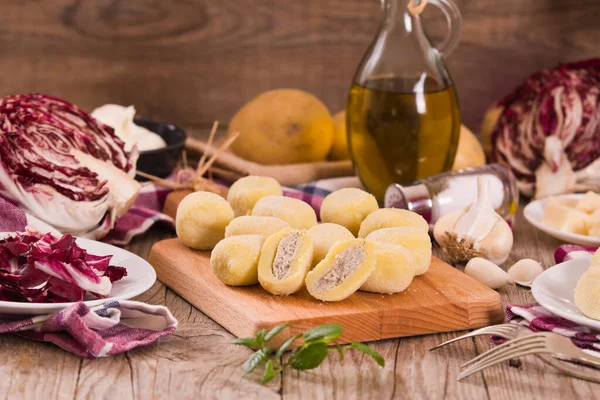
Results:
[147, 209]
[106, 330]
[538, 319]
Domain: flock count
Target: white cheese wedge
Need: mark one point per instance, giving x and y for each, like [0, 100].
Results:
[564, 218]
[589, 203]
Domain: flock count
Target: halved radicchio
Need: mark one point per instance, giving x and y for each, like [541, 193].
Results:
[63, 166]
[42, 268]
[548, 131]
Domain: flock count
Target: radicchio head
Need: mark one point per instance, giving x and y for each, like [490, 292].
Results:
[63, 166]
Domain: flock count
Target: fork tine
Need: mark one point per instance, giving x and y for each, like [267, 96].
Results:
[500, 358]
[520, 341]
[512, 352]
[502, 330]
[519, 347]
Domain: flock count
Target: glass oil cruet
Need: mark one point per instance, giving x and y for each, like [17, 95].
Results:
[403, 116]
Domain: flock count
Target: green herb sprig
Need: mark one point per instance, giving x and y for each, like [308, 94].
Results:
[310, 354]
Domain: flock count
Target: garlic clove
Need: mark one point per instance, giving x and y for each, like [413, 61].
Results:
[487, 273]
[480, 218]
[446, 223]
[498, 243]
[524, 272]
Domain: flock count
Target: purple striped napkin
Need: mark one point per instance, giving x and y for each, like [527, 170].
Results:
[567, 252]
[101, 331]
[538, 319]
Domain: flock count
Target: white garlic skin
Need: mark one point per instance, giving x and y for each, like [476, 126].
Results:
[490, 234]
[487, 273]
[525, 271]
[498, 244]
[446, 223]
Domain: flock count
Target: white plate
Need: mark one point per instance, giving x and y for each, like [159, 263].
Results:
[534, 213]
[554, 289]
[140, 277]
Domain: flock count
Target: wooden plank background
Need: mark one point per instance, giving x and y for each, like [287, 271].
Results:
[192, 61]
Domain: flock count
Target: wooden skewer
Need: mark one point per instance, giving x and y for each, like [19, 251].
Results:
[184, 159]
[214, 157]
[202, 168]
[161, 181]
[209, 143]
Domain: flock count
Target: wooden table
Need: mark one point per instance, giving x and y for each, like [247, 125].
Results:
[199, 361]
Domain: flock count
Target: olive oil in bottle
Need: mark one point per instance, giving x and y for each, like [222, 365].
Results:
[401, 130]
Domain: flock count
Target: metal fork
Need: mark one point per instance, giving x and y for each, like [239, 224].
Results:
[505, 331]
[538, 343]
[512, 331]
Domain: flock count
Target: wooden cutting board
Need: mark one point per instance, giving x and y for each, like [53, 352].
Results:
[442, 300]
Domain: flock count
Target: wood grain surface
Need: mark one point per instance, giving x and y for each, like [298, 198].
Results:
[199, 361]
[441, 300]
[192, 61]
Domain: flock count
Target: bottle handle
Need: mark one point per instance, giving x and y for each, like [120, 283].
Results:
[453, 18]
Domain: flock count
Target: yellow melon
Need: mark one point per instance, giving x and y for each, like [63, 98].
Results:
[339, 149]
[470, 152]
[283, 126]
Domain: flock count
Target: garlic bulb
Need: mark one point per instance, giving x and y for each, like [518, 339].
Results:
[487, 273]
[476, 231]
[525, 271]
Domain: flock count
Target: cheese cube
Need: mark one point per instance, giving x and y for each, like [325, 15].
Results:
[592, 224]
[564, 218]
[589, 203]
[568, 202]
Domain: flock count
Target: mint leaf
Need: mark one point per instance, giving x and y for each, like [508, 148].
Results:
[269, 372]
[248, 342]
[294, 353]
[257, 359]
[331, 331]
[260, 337]
[275, 331]
[367, 350]
[310, 357]
[285, 346]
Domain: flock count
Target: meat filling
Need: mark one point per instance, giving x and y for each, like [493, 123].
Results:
[343, 266]
[288, 246]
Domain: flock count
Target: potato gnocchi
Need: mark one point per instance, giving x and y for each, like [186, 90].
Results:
[285, 259]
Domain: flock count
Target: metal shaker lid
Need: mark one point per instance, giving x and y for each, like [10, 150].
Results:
[414, 197]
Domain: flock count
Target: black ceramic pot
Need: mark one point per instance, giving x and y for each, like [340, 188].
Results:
[161, 162]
